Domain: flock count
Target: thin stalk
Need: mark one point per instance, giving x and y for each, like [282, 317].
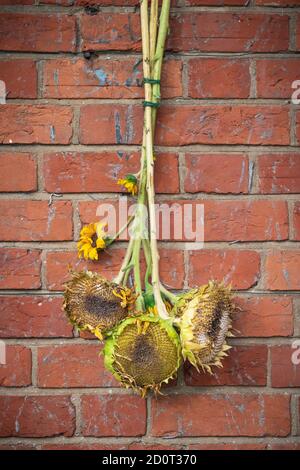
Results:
[150, 163]
[119, 278]
[111, 240]
[153, 30]
[159, 53]
[168, 294]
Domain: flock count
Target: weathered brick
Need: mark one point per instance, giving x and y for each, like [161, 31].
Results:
[202, 173]
[278, 3]
[36, 416]
[32, 124]
[285, 370]
[298, 121]
[239, 267]
[250, 125]
[35, 220]
[37, 316]
[229, 32]
[113, 415]
[208, 31]
[186, 125]
[48, 33]
[218, 78]
[279, 173]
[57, 270]
[263, 316]
[119, 124]
[103, 78]
[20, 77]
[20, 268]
[275, 77]
[245, 365]
[221, 415]
[228, 446]
[282, 270]
[16, 372]
[99, 172]
[298, 32]
[76, 365]
[296, 221]
[18, 172]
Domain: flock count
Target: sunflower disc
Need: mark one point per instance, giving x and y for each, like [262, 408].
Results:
[143, 353]
[204, 317]
[93, 303]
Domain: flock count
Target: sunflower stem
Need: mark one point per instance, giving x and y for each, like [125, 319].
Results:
[148, 119]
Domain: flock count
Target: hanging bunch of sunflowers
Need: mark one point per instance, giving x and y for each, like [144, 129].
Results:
[147, 331]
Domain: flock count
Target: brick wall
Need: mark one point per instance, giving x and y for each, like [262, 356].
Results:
[228, 135]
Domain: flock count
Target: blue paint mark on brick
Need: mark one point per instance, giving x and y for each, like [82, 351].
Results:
[118, 128]
[52, 133]
[101, 75]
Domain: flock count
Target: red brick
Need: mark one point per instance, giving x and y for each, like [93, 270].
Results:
[218, 78]
[111, 31]
[217, 3]
[76, 365]
[119, 124]
[103, 78]
[228, 446]
[279, 173]
[202, 173]
[36, 316]
[48, 33]
[229, 32]
[282, 270]
[278, 3]
[36, 416]
[284, 372]
[186, 125]
[99, 172]
[16, 2]
[298, 123]
[298, 33]
[20, 77]
[261, 219]
[19, 268]
[263, 316]
[275, 77]
[113, 415]
[32, 124]
[219, 32]
[245, 365]
[296, 221]
[239, 267]
[171, 266]
[16, 372]
[23, 220]
[85, 446]
[18, 172]
[251, 125]
[221, 415]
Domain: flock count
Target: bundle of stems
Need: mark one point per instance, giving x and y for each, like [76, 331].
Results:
[154, 29]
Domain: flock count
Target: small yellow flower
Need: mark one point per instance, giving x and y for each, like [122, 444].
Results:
[92, 239]
[130, 184]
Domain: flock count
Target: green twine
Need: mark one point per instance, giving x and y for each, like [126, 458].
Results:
[152, 81]
[151, 104]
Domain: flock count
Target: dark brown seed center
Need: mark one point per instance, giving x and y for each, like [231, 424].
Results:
[143, 352]
[99, 306]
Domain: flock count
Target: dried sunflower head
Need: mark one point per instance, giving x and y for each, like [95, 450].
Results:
[204, 317]
[143, 353]
[93, 303]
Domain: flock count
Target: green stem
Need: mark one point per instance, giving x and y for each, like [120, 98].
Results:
[168, 294]
[159, 53]
[111, 240]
